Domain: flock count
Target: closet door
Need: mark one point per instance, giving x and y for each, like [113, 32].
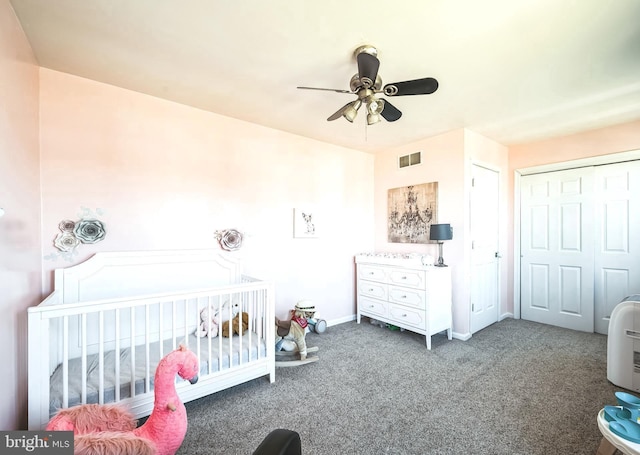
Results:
[557, 248]
[617, 249]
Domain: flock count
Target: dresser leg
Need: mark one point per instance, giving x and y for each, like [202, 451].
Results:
[449, 336]
[428, 337]
[358, 318]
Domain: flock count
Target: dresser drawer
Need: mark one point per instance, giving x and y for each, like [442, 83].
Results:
[372, 273]
[407, 296]
[408, 317]
[372, 289]
[410, 278]
[372, 307]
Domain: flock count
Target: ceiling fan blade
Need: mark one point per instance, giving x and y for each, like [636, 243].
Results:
[367, 69]
[326, 89]
[348, 111]
[423, 86]
[337, 114]
[389, 112]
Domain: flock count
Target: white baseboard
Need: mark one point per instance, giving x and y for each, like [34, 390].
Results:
[341, 320]
[461, 336]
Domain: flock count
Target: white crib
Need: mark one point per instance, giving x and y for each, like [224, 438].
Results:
[99, 335]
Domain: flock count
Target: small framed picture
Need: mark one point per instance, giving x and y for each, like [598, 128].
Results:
[304, 223]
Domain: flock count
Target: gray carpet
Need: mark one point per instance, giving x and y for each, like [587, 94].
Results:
[516, 387]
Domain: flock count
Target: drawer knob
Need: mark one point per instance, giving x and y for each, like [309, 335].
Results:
[404, 315]
[370, 289]
[404, 296]
[370, 273]
[404, 277]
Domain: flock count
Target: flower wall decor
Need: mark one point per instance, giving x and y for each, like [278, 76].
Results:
[87, 230]
[229, 239]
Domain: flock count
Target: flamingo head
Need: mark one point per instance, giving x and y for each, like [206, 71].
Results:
[189, 366]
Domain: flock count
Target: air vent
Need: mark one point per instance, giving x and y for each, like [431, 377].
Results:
[410, 160]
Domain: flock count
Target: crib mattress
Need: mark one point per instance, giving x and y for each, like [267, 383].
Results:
[221, 359]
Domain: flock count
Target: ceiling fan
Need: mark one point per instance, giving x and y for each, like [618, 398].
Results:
[366, 84]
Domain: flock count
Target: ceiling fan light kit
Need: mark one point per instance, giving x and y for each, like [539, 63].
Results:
[366, 83]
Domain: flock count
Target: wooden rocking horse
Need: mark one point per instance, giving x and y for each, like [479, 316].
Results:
[291, 338]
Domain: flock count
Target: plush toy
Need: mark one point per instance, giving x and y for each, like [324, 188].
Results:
[210, 319]
[106, 429]
[208, 323]
[240, 321]
[308, 311]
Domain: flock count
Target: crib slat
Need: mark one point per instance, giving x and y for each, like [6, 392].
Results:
[161, 327]
[65, 361]
[186, 318]
[174, 333]
[198, 340]
[83, 390]
[116, 330]
[132, 350]
[147, 360]
[240, 332]
[209, 338]
[101, 357]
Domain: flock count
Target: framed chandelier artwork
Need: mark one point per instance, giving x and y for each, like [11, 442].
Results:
[411, 211]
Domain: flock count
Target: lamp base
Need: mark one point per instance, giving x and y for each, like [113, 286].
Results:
[440, 262]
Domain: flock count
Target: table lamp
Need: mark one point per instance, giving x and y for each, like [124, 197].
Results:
[440, 232]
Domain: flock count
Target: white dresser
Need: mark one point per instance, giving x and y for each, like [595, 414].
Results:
[398, 289]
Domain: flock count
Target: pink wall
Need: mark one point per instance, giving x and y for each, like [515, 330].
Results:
[605, 141]
[20, 198]
[443, 162]
[447, 159]
[486, 152]
[167, 176]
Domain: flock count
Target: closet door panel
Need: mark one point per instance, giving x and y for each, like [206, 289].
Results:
[557, 248]
[617, 239]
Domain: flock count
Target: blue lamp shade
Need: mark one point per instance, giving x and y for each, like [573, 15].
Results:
[441, 232]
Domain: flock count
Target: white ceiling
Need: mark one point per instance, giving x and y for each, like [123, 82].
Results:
[513, 70]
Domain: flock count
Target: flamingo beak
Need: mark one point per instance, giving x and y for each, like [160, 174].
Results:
[194, 379]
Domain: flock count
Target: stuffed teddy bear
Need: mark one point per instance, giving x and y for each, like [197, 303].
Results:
[235, 323]
[209, 323]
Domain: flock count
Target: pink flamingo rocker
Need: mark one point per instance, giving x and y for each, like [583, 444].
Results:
[111, 429]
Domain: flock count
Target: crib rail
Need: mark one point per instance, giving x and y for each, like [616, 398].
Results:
[135, 333]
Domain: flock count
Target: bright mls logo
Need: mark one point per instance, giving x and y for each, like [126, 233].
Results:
[36, 442]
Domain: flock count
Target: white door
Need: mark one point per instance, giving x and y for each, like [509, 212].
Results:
[617, 251]
[557, 248]
[485, 265]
